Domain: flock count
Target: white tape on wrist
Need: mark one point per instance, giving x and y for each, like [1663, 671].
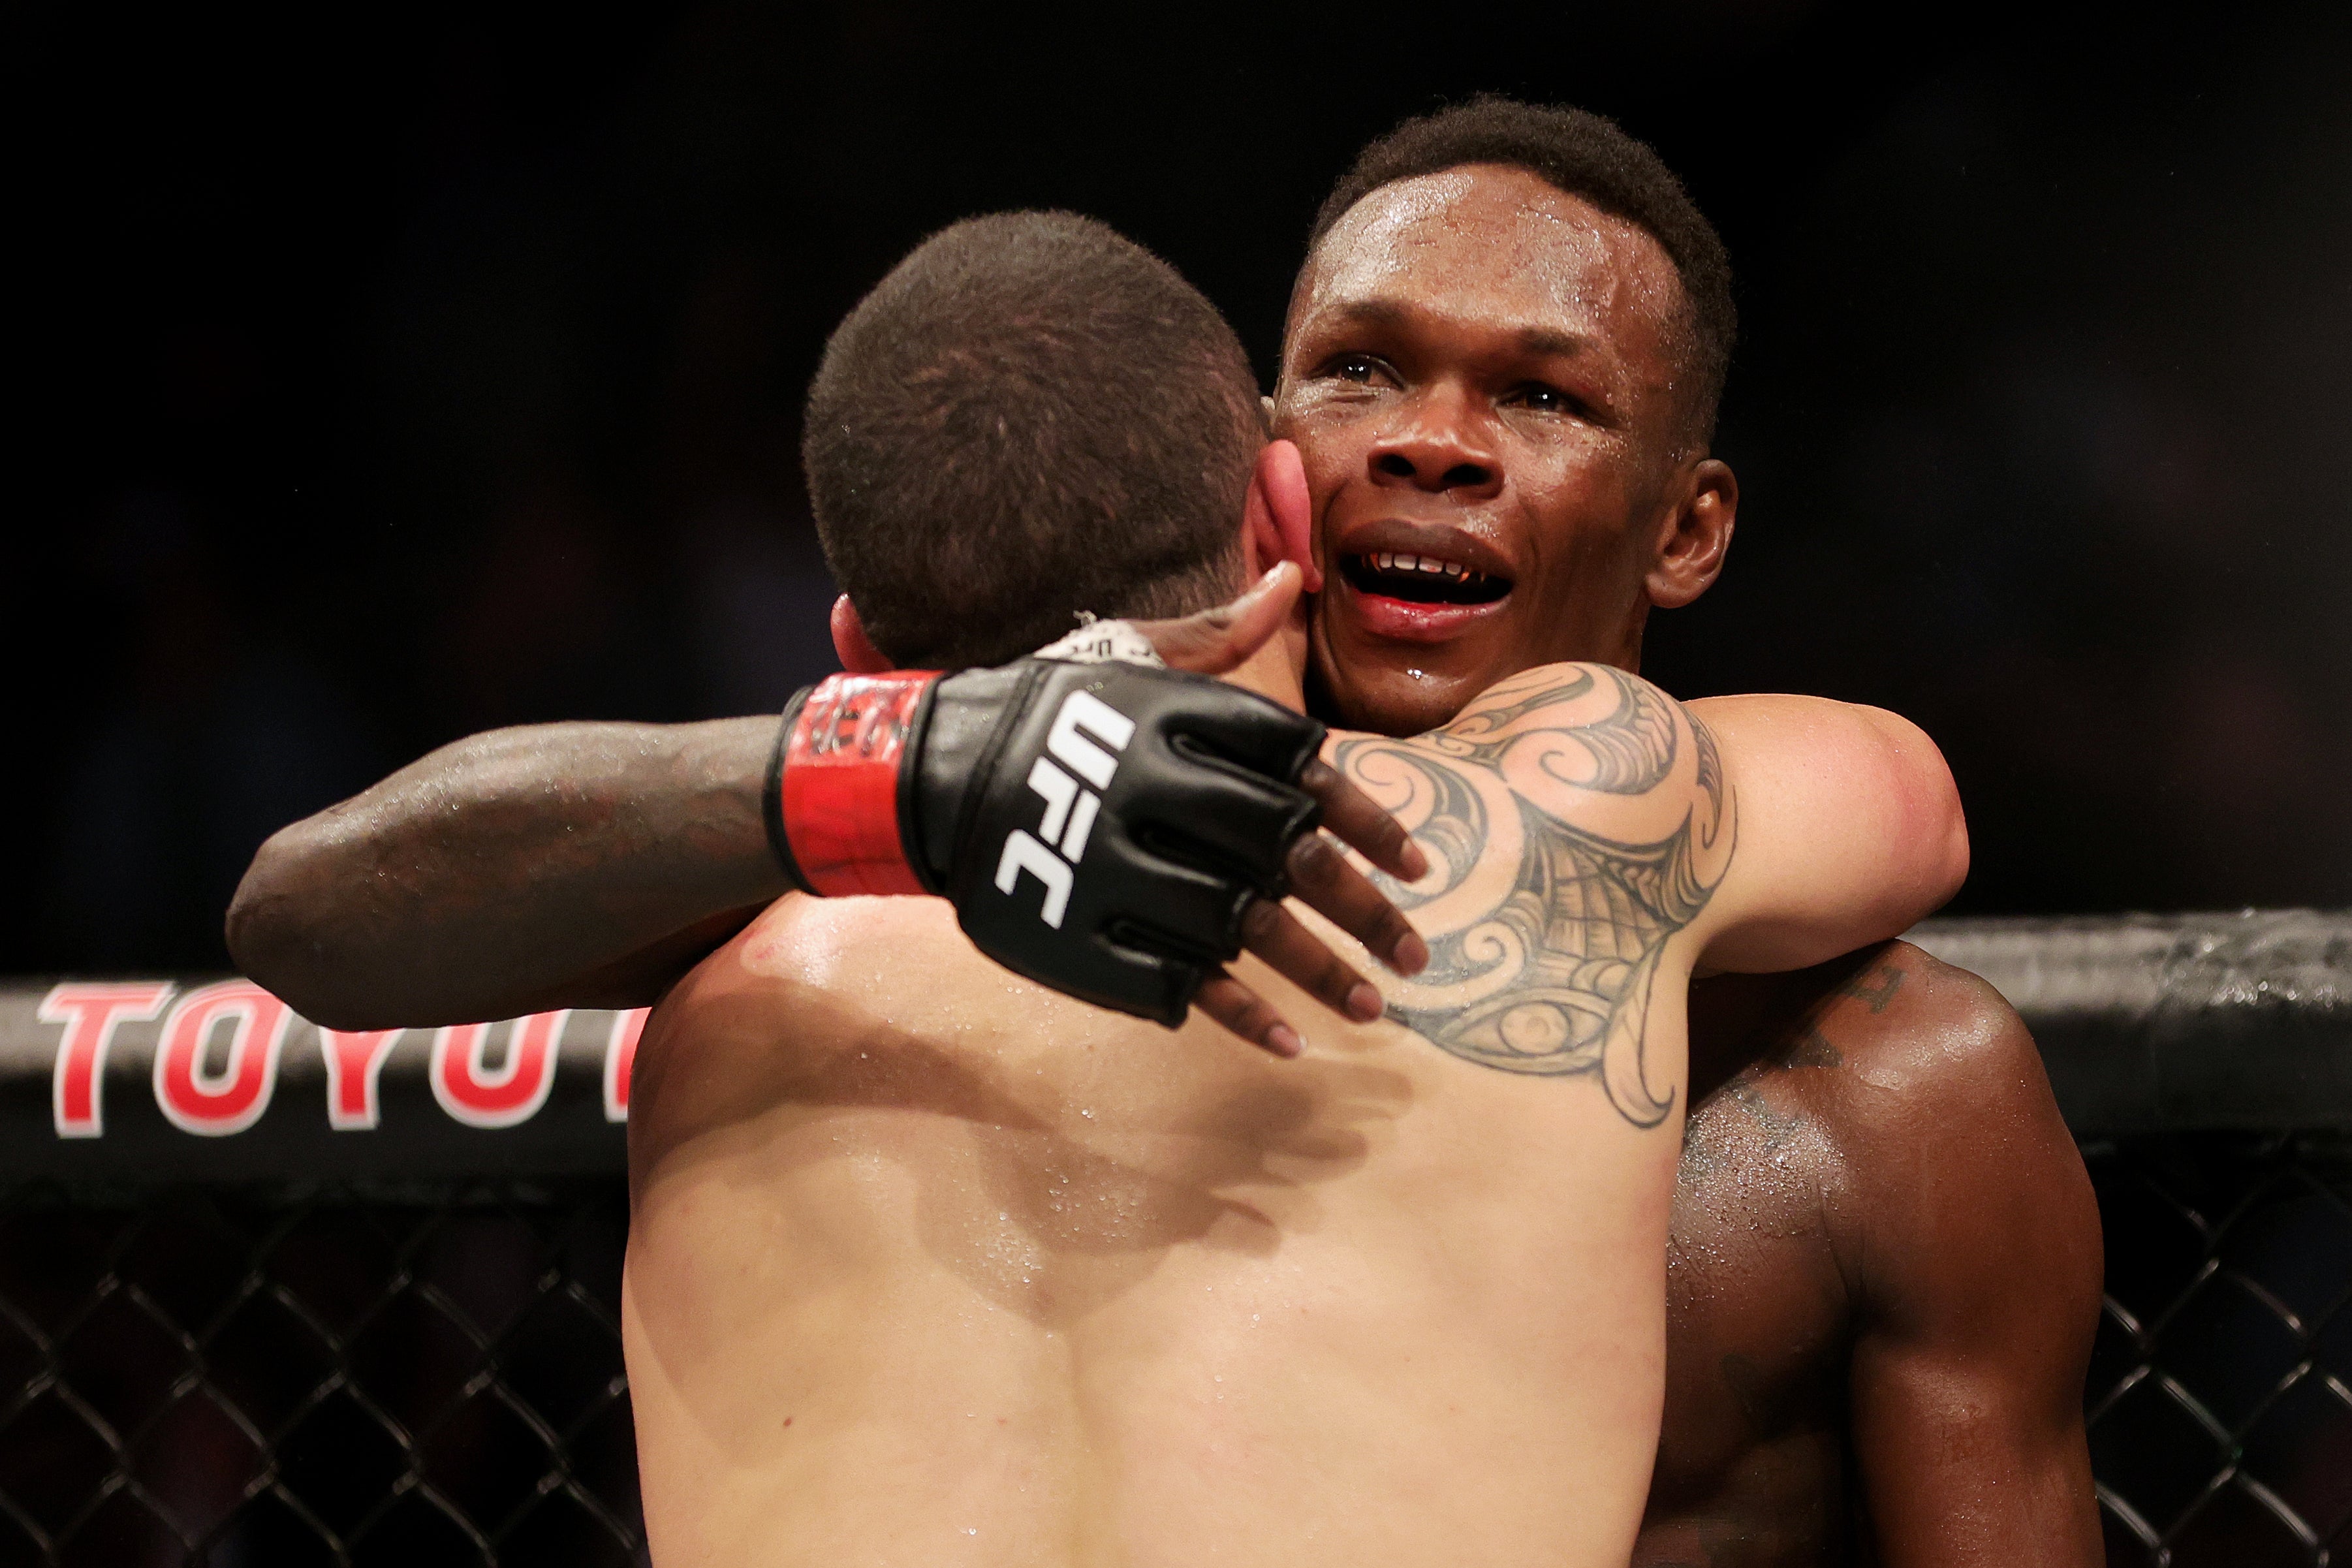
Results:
[1099, 642]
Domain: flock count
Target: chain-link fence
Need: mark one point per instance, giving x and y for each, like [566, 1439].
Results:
[346, 1374]
[413, 1361]
[284, 1376]
[2220, 1392]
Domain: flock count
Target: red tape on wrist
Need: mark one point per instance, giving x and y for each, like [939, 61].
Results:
[840, 793]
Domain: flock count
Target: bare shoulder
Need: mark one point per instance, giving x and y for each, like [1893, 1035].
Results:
[1916, 1030]
[1586, 739]
[709, 1051]
[1927, 1057]
[1955, 1161]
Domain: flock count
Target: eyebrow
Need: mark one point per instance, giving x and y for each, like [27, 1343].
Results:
[1401, 316]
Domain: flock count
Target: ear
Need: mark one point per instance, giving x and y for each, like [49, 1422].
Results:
[858, 653]
[1277, 517]
[1694, 536]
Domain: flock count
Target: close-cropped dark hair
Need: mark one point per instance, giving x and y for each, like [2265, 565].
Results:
[1031, 416]
[1585, 155]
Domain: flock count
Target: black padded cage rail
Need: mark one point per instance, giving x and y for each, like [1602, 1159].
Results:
[2205, 1064]
[271, 1295]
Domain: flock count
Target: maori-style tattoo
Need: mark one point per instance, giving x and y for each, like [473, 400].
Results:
[1710, 775]
[1627, 751]
[1545, 932]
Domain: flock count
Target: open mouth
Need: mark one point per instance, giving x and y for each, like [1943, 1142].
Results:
[1422, 579]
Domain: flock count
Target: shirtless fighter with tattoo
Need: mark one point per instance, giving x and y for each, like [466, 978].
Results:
[927, 1266]
[1880, 1231]
[1885, 1267]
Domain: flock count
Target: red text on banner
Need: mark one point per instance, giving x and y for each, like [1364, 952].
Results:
[479, 1095]
[215, 1102]
[91, 1011]
[620, 1059]
[354, 1063]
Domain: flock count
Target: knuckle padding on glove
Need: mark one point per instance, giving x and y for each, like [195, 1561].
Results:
[1258, 734]
[1103, 829]
[1226, 819]
[1231, 802]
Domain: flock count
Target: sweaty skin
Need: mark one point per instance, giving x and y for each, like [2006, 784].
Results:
[1884, 1275]
[1482, 367]
[1883, 1278]
[972, 1273]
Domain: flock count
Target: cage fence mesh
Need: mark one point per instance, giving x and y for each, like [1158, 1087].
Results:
[348, 1374]
[324, 1375]
[2219, 1398]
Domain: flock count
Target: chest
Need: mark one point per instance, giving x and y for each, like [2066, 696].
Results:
[1758, 1314]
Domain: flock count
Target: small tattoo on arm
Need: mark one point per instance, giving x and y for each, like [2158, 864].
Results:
[1777, 1126]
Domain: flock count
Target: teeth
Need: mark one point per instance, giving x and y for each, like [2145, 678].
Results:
[1397, 561]
[1430, 565]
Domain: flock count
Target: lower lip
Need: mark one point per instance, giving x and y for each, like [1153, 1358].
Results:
[1402, 620]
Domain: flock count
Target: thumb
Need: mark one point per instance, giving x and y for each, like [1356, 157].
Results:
[1211, 642]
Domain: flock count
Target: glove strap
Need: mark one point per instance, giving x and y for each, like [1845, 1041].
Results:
[836, 795]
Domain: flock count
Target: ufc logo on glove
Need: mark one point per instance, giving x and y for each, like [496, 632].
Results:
[1183, 790]
[1080, 710]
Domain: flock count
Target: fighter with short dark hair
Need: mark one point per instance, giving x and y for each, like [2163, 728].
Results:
[1884, 1274]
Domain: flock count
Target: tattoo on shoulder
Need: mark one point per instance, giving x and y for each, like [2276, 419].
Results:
[1876, 985]
[1710, 775]
[1545, 935]
[1629, 750]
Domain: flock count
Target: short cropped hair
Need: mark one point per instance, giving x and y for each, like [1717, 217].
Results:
[1031, 416]
[1585, 155]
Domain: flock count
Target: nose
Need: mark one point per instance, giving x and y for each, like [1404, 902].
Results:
[1437, 448]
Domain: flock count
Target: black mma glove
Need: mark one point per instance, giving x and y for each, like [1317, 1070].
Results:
[1100, 827]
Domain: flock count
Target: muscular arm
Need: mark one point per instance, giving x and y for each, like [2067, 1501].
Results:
[1978, 1278]
[590, 865]
[593, 865]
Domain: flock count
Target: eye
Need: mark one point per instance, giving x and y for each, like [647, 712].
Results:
[1545, 399]
[1361, 369]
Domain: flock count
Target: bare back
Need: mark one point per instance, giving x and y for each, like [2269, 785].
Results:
[931, 1266]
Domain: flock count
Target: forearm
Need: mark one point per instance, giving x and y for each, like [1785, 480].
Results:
[560, 864]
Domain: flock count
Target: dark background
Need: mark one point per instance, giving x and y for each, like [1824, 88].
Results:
[387, 373]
